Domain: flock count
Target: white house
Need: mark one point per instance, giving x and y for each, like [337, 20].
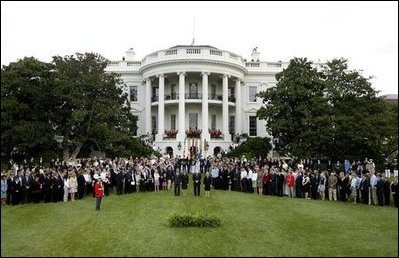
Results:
[199, 87]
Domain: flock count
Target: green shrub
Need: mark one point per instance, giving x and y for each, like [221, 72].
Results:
[194, 220]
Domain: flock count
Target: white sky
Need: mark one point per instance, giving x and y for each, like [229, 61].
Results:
[366, 33]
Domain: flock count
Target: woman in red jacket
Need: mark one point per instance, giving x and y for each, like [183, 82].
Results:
[290, 183]
[99, 191]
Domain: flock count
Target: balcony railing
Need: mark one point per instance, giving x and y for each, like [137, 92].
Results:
[215, 134]
[215, 97]
[154, 98]
[172, 96]
[175, 96]
[170, 134]
[193, 95]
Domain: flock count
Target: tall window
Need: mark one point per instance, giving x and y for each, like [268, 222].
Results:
[154, 123]
[213, 121]
[173, 122]
[231, 123]
[133, 93]
[252, 126]
[252, 93]
[231, 91]
[193, 90]
[213, 91]
[173, 91]
[193, 120]
[155, 93]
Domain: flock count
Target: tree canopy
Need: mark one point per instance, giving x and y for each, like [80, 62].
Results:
[72, 98]
[252, 147]
[327, 112]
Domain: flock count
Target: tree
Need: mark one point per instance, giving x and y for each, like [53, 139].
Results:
[291, 109]
[26, 90]
[333, 113]
[72, 97]
[390, 143]
[361, 120]
[91, 104]
[253, 147]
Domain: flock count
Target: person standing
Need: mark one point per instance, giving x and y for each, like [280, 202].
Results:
[177, 182]
[322, 186]
[306, 185]
[353, 186]
[395, 167]
[207, 184]
[380, 189]
[184, 182]
[290, 183]
[395, 191]
[99, 191]
[387, 168]
[197, 183]
[4, 187]
[332, 187]
[73, 185]
[156, 180]
[66, 185]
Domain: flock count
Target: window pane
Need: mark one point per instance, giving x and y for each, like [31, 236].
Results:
[252, 93]
[133, 93]
[155, 93]
[193, 120]
[213, 91]
[252, 126]
[231, 123]
[193, 90]
[154, 122]
[213, 122]
[173, 122]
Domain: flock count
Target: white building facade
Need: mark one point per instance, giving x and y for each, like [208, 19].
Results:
[196, 88]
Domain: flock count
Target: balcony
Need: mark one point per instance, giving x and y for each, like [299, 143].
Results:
[200, 53]
[215, 134]
[193, 133]
[193, 95]
[215, 97]
[154, 99]
[172, 96]
[170, 134]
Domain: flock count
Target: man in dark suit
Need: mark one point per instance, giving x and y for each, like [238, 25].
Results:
[197, 183]
[27, 181]
[177, 182]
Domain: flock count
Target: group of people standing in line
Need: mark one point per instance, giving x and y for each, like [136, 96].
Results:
[74, 179]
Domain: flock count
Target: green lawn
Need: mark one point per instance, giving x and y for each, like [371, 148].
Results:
[252, 225]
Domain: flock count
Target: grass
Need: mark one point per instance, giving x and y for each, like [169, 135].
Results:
[251, 225]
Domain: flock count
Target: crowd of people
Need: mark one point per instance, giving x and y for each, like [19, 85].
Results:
[70, 180]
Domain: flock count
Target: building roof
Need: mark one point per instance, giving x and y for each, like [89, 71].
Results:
[179, 46]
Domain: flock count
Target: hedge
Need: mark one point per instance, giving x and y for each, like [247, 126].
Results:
[194, 220]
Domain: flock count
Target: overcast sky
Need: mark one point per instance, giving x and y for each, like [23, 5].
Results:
[366, 33]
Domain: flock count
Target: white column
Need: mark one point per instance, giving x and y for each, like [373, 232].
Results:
[182, 132]
[161, 108]
[205, 127]
[225, 108]
[148, 91]
[238, 106]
